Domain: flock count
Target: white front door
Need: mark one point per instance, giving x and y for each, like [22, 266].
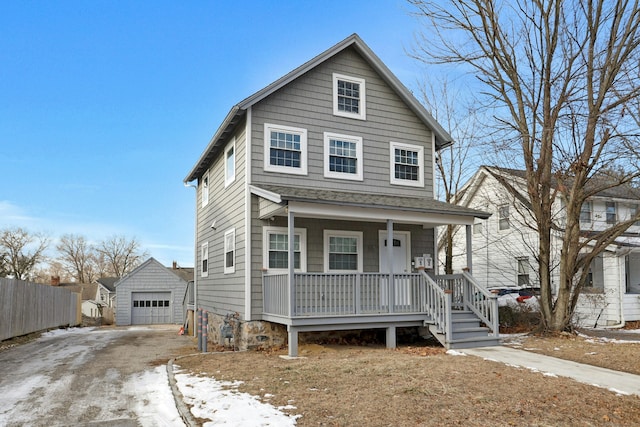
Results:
[401, 252]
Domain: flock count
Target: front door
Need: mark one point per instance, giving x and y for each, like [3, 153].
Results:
[401, 256]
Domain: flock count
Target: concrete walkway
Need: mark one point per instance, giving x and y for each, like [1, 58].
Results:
[615, 381]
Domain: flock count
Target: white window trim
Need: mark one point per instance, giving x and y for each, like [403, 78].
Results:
[506, 218]
[205, 189]
[362, 114]
[342, 233]
[302, 170]
[228, 180]
[392, 164]
[204, 254]
[302, 232]
[358, 176]
[232, 269]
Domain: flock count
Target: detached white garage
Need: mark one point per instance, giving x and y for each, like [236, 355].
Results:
[150, 294]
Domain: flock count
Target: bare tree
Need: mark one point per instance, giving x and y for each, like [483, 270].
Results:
[562, 79]
[78, 257]
[455, 163]
[21, 251]
[121, 255]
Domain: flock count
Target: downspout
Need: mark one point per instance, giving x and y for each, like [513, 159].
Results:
[247, 217]
[195, 260]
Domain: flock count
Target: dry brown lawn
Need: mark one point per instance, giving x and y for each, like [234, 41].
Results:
[423, 386]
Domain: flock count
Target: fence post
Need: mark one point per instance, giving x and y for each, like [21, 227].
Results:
[205, 327]
[199, 311]
[447, 314]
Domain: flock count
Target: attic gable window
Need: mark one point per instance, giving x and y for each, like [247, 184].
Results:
[503, 217]
[205, 190]
[342, 156]
[230, 163]
[407, 162]
[349, 97]
[285, 149]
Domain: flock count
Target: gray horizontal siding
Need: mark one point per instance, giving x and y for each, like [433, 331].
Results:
[307, 103]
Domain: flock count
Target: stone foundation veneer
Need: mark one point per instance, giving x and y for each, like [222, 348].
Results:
[247, 335]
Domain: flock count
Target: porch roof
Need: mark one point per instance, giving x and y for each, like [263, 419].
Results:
[421, 205]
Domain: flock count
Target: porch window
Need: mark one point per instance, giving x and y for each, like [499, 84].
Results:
[503, 217]
[230, 251]
[585, 212]
[406, 164]
[205, 190]
[276, 244]
[342, 156]
[343, 250]
[204, 257]
[611, 212]
[230, 163]
[523, 271]
[285, 149]
[349, 97]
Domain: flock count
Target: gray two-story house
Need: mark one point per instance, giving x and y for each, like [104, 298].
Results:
[315, 211]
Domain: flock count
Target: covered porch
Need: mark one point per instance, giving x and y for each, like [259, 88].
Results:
[388, 282]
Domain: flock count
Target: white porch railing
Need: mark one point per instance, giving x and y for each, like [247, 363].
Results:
[352, 294]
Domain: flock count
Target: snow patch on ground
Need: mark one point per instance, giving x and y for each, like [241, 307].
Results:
[455, 353]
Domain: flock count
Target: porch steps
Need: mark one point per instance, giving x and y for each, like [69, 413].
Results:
[466, 332]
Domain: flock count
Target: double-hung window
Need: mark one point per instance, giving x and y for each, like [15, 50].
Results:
[343, 250]
[349, 97]
[611, 212]
[407, 163]
[585, 213]
[204, 260]
[230, 163]
[276, 252]
[230, 251]
[285, 149]
[503, 217]
[342, 156]
[523, 271]
[205, 190]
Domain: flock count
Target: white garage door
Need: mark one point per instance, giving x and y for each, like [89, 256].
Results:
[150, 307]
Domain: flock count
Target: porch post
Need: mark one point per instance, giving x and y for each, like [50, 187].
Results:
[292, 293]
[390, 263]
[469, 247]
[293, 341]
[391, 337]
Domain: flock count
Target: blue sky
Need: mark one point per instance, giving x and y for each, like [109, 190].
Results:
[106, 105]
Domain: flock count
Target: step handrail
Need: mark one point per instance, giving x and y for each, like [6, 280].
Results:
[438, 305]
[482, 302]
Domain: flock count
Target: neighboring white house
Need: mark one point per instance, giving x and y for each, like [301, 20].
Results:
[504, 247]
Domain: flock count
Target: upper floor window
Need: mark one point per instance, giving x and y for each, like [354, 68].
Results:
[342, 156]
[230, 163]
[205, 190]
[343, 250]
[407, 164]
[349, 97]
[503, 217]
[230, 251]
[285, 149]
[585, 212]
[276, 244]
[611, 212]
[204, 257]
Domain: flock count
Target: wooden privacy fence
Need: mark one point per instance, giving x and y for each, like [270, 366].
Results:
[27, 307]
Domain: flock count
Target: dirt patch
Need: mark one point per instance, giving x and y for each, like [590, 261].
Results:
[12, 342]
[412, 386]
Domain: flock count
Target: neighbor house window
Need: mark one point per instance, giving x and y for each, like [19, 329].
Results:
[230, 163]
[205, 190]
[407, 164]
[285, 149]
[585, 212]
[276, 244]
[477, 228]
[503, 217]
[343, 250]
[230, 251]
[523, 271]
[204, 256]
[634, 212]
[349, 97]
[342, 156]
[611, 212]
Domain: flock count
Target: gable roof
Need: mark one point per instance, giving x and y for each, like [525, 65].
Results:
[144, 265]
[238, 111]
[108, 283]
